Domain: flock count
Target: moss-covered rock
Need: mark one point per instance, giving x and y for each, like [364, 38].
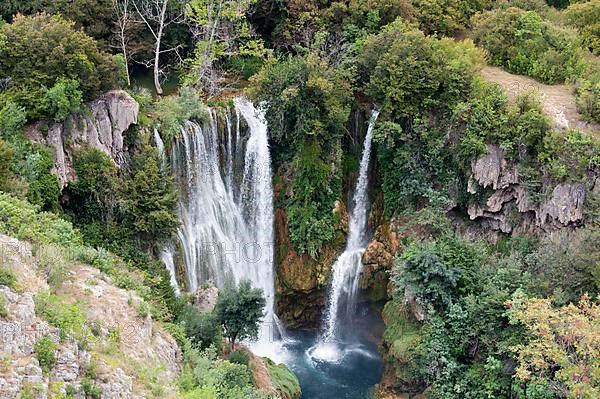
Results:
[284, 380]
[399, 343]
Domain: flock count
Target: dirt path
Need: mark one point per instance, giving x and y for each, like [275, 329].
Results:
[558, 100]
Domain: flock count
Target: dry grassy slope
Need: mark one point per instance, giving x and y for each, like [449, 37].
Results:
[558, 100]
[128, 355]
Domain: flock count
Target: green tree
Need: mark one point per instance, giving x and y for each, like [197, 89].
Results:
[239, 311]
[93, 197]
[149, 199]
[563, 351]
[225, 34]
[39, 51]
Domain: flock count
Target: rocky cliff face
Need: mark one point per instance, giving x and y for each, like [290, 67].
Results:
[117, 352]
[509, 205]
[301, 280]
[101, 126]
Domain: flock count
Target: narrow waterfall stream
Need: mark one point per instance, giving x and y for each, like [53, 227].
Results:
[226, 232]
[346, 270]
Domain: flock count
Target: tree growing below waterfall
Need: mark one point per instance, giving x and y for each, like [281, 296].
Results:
[239, 311]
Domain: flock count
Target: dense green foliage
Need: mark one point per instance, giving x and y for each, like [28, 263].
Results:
[585, 16]
[308, 106]
[526, 44]
[51, 66]
[466, 319]
[239, 310]
[467, 340]
[203, 329]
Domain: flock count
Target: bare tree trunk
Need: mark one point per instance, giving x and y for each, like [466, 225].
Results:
[161, 25]
[121, 10]
[124, 47]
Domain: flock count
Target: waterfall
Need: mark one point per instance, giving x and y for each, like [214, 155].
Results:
[226, 231]
[347, 268]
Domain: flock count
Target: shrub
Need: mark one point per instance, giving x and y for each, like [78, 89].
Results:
[63, 99]
[69, 318]
[524, 43]
[45, 349]
[565, 267]
[173, 111]
[44, 188]
[585, 16]
[445, 17]
[12, 118]
[6, 158]
[408, 74]
[22, 220]
[422, 273]
[577, 162]
[53, 264]
[93, 196]
[588, 92]
[239, 357]
[562, 353]
[285, 382]
[202, 328]
[3, 306]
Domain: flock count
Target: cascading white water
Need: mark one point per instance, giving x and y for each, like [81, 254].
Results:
[226, 231]
[346, 269]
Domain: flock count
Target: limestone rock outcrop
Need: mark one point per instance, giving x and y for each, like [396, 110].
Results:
[102, 126]
[509, 206]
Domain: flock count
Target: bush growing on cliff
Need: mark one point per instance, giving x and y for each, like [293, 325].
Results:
[173, 111]
[38, 52]
[45, 349]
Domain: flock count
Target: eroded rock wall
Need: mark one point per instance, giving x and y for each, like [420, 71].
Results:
[509, 205]
[102, 125]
